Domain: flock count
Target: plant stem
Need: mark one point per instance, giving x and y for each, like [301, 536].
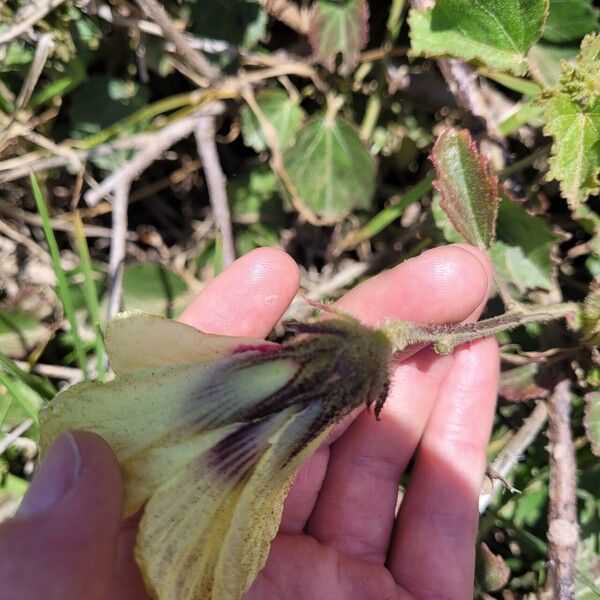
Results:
[445, 338]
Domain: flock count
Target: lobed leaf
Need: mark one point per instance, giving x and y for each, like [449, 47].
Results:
[330, 169]
[469, 193]
[497, 34]
[339, 27]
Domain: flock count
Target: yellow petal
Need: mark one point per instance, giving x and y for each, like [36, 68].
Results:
[157, 420]
[136, 340]
[206, 532]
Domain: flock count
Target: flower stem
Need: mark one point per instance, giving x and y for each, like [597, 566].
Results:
[446, 337]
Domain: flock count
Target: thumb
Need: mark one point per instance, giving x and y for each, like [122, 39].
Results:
[62, 541]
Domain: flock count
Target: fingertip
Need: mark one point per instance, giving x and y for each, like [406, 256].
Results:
[249, 297]
[443, 285]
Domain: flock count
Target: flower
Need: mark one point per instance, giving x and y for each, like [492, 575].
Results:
[210, 431]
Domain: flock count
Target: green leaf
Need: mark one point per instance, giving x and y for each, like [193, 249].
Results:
[545, 62]
[240, 22]
[280, 110]
[491, 572]
[575, 160]
[339, 26]
[497, 34]
[101, 101]
[469, 192]
[570, 20]
[590, 314]
[254, 195]
[154, 289]
[592, 420]
[524, 249]
[330, 170]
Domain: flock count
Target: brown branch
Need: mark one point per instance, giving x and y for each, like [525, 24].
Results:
[563, 531]
[216, 183]
[194, 58]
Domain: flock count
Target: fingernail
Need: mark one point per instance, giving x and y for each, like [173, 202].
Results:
[57, 474]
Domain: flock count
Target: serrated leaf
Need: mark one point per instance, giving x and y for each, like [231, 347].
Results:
[523, 252]
[469, 193]
[339, 27]
[492, 573]
[575, 160]
[280, 110]
[570, 20]
[592, 420]
[497, 34]
[519, 384]
[330, 169]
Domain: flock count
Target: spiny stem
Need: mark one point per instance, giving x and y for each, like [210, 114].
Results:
[446, 337]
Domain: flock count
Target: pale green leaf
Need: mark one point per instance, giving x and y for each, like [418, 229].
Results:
[339, 27]
[280, 110]
[491, 572]
[570, 20]
[330, 169]
[469, 193]
[524, 249]
[497, 34]
[545, 62]
[592, 420]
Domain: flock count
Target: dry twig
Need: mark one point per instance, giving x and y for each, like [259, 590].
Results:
[194, 58]
[563, 531]
[116, 260]
[509, 456]
[288, 13]
[30, 15]
[14, 435]
[216, 183]
[156, 144]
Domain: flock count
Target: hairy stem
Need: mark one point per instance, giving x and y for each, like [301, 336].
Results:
[446, 337]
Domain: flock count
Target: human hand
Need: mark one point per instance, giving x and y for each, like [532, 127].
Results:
[339, 536]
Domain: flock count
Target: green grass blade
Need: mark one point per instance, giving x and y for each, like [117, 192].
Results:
[42, 386]
[89, 292]
[7, 382]
[388, 215]
[63, 288]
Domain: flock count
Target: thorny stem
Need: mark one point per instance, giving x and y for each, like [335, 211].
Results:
[446, 337]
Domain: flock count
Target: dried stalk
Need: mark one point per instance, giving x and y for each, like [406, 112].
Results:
[563, 531]
[116, 260]
[216, 183]
[31, 15]
[288, 13]
[510, 455]
[14, 435]
[156, 144]
[195, 59]
[42, 50]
